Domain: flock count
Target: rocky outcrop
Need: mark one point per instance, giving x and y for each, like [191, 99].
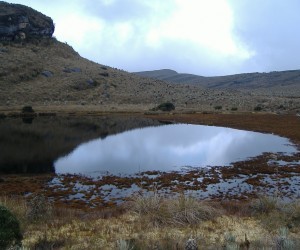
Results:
[19, 22]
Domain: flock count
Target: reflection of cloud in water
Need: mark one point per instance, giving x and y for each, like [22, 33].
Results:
[168, 148]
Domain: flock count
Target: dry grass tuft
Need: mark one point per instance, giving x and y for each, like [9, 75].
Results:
[266, 204]
[180, 211]
[187, 210]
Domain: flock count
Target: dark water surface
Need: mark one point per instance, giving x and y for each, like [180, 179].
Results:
[33, 147]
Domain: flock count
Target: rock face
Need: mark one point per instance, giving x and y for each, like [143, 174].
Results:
[19, 22]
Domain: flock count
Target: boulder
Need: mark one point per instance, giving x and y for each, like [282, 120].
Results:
[19, 22]
[47, 73]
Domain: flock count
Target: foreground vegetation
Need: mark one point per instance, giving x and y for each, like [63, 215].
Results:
[157, 222]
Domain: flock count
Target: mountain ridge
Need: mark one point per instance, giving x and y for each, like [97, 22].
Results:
[253, 80]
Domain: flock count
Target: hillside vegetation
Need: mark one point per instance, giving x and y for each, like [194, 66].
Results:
[285, 82]
[48, 74]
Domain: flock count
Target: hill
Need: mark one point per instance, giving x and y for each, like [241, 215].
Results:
[286, 80]
[169, 75]
[40, 71]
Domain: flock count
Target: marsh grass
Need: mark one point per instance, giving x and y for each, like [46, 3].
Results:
[157, 222]
[180, 211]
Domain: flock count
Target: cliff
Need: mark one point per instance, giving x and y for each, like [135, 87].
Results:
[19, 22]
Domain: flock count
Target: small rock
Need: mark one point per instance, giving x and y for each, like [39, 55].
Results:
[191, 244]
[104, 74]
[91, 82]
[70, 70]
[3, 50]
[47, 73]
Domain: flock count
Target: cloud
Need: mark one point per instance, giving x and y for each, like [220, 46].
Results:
[214, 37]
[269, 28]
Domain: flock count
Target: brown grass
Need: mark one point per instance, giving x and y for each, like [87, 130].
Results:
[73, 229]
[22, 83]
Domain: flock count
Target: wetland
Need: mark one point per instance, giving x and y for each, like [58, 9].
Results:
[100, 161]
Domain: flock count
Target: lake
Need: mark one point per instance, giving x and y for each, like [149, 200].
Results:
[124, 145]
[168, 148]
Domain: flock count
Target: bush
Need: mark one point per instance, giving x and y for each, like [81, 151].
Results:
[104, 74]
[218, 107]
[234, 109]
[27, 109]
[39, 208]
[258, 108]
[10, 233]
[166, 106]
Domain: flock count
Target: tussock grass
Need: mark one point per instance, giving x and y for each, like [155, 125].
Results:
[180, 211]
[157, 222]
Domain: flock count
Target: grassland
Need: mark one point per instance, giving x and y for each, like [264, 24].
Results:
[155, 222]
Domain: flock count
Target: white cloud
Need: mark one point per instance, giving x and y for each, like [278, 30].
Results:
[206, 37]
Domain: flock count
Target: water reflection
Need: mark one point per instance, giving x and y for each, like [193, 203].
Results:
[168, 148]
[28, 146]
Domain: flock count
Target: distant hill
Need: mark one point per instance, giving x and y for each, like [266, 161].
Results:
[275, 79]
[169, 75]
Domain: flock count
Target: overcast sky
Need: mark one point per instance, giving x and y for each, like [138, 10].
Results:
[204, 37]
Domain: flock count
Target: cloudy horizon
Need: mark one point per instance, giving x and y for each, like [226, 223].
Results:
[203, 37]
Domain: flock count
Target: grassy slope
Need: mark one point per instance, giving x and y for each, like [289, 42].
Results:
[22, 83]
[286, 82]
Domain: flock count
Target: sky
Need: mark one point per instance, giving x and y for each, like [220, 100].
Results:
[203, 37]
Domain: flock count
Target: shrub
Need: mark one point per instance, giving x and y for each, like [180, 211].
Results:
[27, 109]
[218, 107]
[258, 108]
[38, 208]
[10, 233]
[166, 106]
[104, 74]
[234, 109]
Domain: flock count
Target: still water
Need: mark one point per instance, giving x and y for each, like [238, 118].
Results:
[168, 148]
